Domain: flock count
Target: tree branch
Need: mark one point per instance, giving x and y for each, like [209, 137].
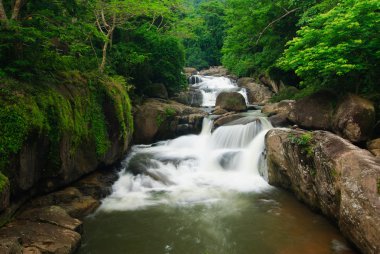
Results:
[275, 21]
[16, 9]
[3, 14]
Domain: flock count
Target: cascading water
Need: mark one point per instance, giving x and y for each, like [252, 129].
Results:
[211, 86]
[192, 169]
[206, 194]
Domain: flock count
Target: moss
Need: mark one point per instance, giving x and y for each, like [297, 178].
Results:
[73, 107]
[4, 182]
[304, 141]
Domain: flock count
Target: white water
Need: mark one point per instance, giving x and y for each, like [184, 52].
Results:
[211, 86]
[192, 169]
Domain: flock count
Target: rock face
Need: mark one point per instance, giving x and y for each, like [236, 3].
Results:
[374, 147]
[257, 93]
[331, 175]
[192, 98]
[49, 224]
[314, 111]
[231, 101]
[157, 120]
[354, 118]
[157, 90]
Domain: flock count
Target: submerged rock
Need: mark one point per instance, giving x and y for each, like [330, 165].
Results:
[231, 101]
[331, 175]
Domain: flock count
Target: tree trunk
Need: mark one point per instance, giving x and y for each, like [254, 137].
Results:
[104, 57]
[3, 15]
[16, 9]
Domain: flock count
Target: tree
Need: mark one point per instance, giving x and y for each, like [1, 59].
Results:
[338, 46]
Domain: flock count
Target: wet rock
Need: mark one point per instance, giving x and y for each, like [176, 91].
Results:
[157, 120]
[354, 118]
[217, 71]
[54, 215]
[189, 71]
[45, 237]
[219, 111]
[156, 90]
[10, 245]
[279, 120]
[374, 147]
[192, 98]
[231, 101]
[331, 175]
[283, 107]
[226, 118]
[70, 199]
[314, 111]
[257, 93]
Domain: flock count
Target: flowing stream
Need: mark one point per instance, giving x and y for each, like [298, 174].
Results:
[206, 194]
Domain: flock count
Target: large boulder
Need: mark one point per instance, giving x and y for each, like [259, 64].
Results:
[156, 90]
[157, 120]
[192, 98]
[283, 107]
[314, 111]
[331, 175]
[354, 118]
[231, 101]
[189, 71]
[257, 93]
[374, 147]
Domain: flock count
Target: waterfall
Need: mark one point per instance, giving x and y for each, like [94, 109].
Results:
[211, 86]
[193, 169]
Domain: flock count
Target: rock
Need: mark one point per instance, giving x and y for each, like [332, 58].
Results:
[225, 119]
[54, 215]
[31, 250]
[279, 120]
[217, 71]
[354, 118]
[45, 237]
[10, 245]
[271, 84]
[189, 71]
[70, 199]
[283, 107]
[374, 147]
[156, 90]
[231, 101]
[157, 120]
[192, 98]
[330, 175]
[257, 93]
[219, 111]
[314, 111]
[242, 82]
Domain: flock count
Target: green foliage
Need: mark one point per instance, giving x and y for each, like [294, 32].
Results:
[304, 141]
[4, 182]
[46, 110]
[203, 31]
[338, 48]
[167, 114]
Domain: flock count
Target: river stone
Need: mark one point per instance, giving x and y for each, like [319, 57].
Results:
[314, 111]
[46, 237]
[283, 107]
[192, 98]
[231, 101]
[219, 111]
[226, 118]
[158, 120]
[279, 120]
[54, 215]
[257, 93]
[11, 245]
[70, 199]
[217, 71]
[331, 175]
[354, 118]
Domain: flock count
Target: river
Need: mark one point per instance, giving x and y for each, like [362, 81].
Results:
[206, 194]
